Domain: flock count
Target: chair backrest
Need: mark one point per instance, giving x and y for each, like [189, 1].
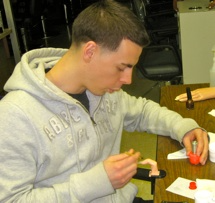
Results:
[158, 7]
[162, 26]
[128, 3]
[86, 3]
[147, 8]
[160, 63]
[139, 9]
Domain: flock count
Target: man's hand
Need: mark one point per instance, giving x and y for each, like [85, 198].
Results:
[121, 168]
[203, 143]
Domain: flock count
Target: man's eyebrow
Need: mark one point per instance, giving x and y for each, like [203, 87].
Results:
[127, 64]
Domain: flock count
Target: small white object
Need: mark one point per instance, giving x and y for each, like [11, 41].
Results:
[212, 152]
[203, 196]
[212, 137]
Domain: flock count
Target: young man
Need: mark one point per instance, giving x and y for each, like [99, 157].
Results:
[62, 120]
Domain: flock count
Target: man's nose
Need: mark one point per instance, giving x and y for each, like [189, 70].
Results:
[127, 76]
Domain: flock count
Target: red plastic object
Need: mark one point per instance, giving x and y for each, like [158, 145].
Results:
[194, 159]
[192, 185]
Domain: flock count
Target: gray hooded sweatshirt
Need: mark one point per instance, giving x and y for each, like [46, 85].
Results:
[52, 149]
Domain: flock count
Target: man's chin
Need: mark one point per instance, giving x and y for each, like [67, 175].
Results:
[113, 90]
[106, 91]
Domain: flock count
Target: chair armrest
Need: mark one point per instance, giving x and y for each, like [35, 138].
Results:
[144, 174]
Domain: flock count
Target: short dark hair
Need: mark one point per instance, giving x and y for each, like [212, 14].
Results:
[107, 23]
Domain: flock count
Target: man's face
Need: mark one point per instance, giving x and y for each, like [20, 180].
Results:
[110, 70]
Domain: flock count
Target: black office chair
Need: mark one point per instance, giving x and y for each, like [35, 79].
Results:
[160, 63]
[157, 6]
[128, 3]
[159, 20]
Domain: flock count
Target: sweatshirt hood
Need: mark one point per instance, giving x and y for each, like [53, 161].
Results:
[29, 74]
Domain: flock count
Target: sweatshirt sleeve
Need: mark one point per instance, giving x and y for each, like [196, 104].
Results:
[19, 168]
[145, 115]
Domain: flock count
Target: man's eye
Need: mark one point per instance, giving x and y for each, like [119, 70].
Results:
[121, 69]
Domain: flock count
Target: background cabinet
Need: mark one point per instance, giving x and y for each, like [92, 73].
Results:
[196, 39]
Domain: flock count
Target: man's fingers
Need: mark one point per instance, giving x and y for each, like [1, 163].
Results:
[121, 168]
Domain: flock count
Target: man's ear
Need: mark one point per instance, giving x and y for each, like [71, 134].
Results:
[89, 50]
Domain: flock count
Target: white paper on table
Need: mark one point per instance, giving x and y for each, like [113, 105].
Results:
[212, 112]
[181, 154]
[181, 187]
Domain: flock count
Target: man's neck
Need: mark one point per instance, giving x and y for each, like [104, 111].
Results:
[66, 75]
